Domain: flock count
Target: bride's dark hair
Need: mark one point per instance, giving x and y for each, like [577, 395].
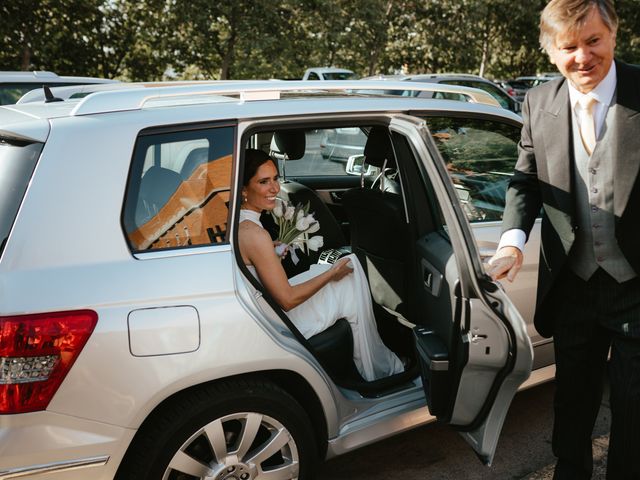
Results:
[253, 160]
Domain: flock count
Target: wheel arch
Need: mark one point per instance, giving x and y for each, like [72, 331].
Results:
[289, 381]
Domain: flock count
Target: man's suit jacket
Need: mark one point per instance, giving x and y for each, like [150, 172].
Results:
[544, 174]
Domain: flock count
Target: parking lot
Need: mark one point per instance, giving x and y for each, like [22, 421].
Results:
[435, 452]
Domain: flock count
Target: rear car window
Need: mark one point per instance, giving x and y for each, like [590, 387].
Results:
[17, 161]
[178, 192]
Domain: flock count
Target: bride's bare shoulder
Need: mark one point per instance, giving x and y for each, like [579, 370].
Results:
[250, 232]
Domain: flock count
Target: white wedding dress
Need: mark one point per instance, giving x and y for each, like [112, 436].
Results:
[347, 298]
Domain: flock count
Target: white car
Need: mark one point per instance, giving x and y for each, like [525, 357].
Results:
[328, 73]
[136, 345]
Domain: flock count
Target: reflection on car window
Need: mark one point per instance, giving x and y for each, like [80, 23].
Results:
[178, 192]
[327, 152]
[480, 157]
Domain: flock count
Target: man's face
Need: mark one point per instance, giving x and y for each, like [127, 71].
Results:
[584, 56]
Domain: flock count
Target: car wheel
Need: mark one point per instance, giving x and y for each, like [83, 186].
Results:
[236, 431]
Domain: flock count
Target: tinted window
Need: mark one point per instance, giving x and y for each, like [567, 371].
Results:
[313, 76]
[480, 157]
[178, 193]
[17, 161]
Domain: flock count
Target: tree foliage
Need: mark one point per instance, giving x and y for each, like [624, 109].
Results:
[156, 39]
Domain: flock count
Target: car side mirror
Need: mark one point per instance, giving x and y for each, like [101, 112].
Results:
[356, 166]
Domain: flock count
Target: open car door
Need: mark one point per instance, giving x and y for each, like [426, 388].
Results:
[472, 342]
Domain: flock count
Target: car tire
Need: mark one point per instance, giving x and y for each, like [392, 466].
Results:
[236, 430]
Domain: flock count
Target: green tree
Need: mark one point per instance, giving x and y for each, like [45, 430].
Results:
[628, 38]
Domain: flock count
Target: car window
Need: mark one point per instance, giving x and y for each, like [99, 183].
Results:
[17, 161]
[178, 192]
[480, 156]
[340, 76]
[328, 151]
[313, 76]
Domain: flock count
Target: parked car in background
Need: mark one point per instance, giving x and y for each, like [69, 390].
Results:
[328, 73]
[137, 345]
[459, 79]
[515, 88]
[14, 85]
[534, 81]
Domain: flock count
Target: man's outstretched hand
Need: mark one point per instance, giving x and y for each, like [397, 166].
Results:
[505, 263]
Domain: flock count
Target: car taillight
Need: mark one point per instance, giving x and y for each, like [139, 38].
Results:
[36, 353]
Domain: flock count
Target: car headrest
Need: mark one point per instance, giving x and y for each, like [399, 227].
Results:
[378, 148]
[289, 142]
[195, 158]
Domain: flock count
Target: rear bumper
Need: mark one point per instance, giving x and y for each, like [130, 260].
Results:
[50, 446]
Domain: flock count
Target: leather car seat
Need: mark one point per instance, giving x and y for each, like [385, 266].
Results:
[380, 234]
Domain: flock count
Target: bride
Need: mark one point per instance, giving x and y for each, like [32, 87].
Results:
[314, 300]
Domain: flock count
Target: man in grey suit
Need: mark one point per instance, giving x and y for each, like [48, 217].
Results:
[579, 157]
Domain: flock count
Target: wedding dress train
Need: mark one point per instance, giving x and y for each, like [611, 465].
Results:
[347, 298]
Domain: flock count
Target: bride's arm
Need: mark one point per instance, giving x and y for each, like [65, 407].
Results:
[257, 247]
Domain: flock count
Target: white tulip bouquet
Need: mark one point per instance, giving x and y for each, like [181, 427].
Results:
[295, 224]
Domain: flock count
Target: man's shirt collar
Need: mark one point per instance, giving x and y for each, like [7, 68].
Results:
[603, 92]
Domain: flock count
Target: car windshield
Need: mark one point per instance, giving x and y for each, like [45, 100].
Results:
[17, 161]
[340, 76]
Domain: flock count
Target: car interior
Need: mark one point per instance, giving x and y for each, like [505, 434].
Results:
[391, 221]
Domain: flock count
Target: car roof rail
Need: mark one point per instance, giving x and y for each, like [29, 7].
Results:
[104, 99]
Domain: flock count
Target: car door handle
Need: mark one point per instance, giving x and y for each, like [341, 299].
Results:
[431, 277]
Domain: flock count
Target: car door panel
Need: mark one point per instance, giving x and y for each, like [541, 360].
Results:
[485, 342]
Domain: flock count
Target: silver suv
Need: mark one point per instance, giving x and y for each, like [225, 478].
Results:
[134, 344]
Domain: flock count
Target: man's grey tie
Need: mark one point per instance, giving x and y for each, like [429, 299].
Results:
[587, 124]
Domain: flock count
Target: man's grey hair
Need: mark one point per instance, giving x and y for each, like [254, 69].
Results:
[571, 15]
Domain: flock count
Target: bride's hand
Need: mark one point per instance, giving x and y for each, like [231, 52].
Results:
[341, 269]
[281, 249]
